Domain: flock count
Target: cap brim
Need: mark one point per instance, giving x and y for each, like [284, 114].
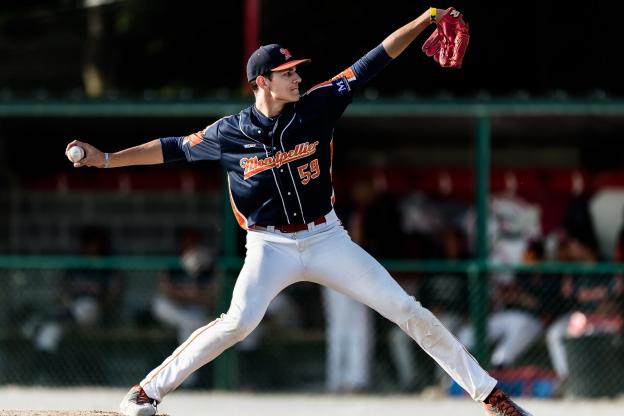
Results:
[290, 64]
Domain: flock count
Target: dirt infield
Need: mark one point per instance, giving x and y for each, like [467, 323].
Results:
[56, 413]
[78, 401]
[61, 413]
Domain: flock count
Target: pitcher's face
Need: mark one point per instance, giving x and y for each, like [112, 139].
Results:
[284, 85]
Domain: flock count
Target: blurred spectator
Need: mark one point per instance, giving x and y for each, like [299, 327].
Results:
[444, 294]
[513, 223]
[616, 300]
[86, 298]
[538, 292]
[422, 218]
[186, 297]
[512, 326]
[618, 257]
[589, 298]
[514, 322]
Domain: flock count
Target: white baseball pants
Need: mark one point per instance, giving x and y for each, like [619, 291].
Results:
[513, 332]
[323, 254]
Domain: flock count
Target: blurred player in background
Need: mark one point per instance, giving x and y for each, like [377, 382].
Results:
[590, 299]
[86, 298]
[186, 297]
[278, 155]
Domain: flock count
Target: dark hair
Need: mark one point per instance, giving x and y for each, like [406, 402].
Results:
[536, 246]
[254, 86]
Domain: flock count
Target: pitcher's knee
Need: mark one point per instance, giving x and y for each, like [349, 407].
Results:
[241, 326]
[405, 309]
[425, 328]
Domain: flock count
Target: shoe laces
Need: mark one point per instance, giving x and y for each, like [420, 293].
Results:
[502, 403]
[509, 409]
[142, 397]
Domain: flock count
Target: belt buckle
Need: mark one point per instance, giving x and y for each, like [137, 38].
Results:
[293, 228]
[318, 221]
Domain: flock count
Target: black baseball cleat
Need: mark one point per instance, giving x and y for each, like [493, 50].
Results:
[137, 403]
[499, 404]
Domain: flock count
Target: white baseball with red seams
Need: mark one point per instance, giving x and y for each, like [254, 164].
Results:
[75, 153]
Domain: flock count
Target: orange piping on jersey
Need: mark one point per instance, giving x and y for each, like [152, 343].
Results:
[317, 86]
[194, 139]
[347, 73]
[240, 218]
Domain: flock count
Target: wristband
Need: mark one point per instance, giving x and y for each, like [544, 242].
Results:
[432, 14]
[106, 159]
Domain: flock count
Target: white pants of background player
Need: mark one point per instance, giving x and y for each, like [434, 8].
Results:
[349, 337]
[323, 254]
[555, 336]
[513, 331]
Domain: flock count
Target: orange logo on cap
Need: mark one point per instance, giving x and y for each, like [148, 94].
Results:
[285, 52]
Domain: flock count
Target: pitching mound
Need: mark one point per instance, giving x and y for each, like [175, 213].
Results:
[59, 413]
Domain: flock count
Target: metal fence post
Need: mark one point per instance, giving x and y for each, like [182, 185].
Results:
[478, 275]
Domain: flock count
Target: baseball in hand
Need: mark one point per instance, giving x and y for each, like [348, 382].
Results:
[75, 153]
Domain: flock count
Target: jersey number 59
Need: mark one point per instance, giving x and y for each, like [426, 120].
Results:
[307, 175]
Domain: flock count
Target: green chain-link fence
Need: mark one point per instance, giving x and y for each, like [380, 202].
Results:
[126, 342]
[51, 337]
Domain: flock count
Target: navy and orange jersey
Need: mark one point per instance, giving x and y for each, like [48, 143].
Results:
[279, 169]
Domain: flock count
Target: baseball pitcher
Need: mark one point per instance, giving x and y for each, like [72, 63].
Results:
[278, 157]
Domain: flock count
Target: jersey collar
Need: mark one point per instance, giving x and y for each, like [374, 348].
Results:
[255, 128]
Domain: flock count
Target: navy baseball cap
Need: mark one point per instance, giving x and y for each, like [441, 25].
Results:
[269, 58]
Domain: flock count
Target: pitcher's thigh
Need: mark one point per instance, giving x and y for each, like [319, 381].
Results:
[266, 272]
[344, 266]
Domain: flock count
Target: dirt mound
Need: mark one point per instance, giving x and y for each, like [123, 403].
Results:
[59, 413]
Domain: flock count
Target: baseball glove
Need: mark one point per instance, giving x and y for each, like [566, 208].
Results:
[448, 42]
